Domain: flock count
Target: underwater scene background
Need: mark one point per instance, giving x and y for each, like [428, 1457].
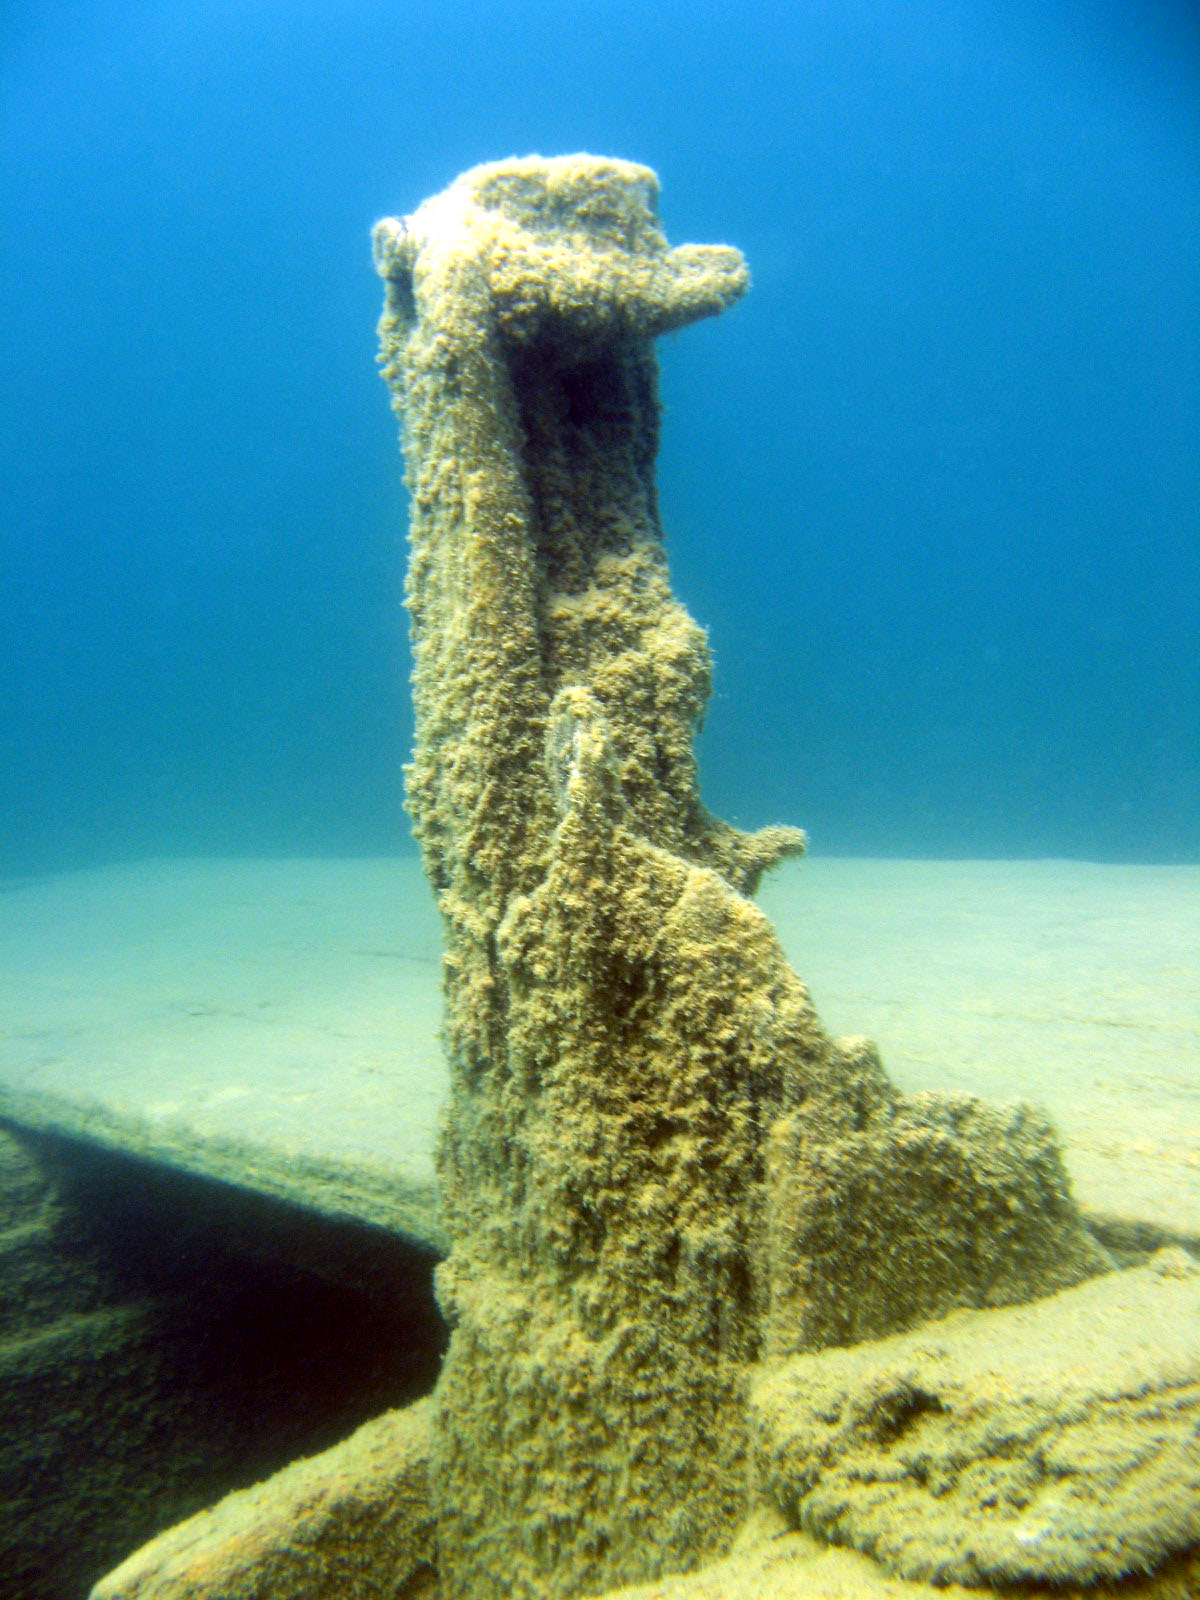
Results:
[932, 488]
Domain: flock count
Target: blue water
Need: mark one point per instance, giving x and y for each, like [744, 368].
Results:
[933, 487]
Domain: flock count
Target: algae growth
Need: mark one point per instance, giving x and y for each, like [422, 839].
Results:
[657, 1169]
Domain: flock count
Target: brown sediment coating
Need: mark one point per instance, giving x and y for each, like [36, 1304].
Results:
[352, 1521]
[648, 1130]
[1054, 1445]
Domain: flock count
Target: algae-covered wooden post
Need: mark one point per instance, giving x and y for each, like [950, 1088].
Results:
[656, 1168]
